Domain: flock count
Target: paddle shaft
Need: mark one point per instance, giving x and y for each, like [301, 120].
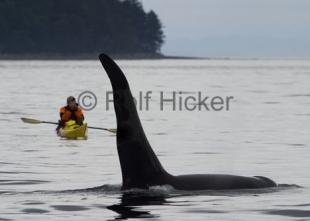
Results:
[96, 128]
[48, 122]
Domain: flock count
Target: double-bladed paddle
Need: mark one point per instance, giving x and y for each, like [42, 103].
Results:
[35, 121]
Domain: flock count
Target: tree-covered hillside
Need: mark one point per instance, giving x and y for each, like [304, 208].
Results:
[78, 27]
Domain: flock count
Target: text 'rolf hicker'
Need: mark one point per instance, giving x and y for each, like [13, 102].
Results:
[176, 101]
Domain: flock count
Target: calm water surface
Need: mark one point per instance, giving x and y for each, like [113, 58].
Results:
[265, 132]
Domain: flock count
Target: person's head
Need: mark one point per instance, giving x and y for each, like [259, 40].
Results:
[71, 102]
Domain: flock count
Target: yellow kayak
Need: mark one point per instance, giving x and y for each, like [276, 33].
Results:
[74, 131]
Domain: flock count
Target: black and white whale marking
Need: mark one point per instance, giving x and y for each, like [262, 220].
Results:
[139, 164]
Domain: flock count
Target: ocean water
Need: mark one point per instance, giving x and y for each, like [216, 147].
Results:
[265, 131]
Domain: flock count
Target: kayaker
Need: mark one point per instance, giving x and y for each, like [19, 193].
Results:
[70, 112]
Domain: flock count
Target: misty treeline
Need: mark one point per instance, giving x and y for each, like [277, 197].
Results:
[70, 27]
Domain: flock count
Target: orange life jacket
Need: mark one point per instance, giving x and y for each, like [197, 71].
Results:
[66, 114]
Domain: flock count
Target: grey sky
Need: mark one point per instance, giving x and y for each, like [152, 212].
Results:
[234, 28]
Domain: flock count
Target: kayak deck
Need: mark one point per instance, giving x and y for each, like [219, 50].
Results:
[74, 131]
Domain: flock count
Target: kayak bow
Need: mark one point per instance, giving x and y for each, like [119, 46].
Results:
[74, 131]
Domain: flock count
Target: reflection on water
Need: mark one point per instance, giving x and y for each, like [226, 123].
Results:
[130, 202]
[290, 213]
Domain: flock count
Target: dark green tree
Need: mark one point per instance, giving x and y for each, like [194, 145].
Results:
[76, 27]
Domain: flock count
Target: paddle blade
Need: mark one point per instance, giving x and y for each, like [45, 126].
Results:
[112, 130]
[102, 128]
[30, 120]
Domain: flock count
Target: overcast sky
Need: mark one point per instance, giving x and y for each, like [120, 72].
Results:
[234, 28]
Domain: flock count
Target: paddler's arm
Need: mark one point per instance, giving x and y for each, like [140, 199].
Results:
[79, 116]
[61, 122]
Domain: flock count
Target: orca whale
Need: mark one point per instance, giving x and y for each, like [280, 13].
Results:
[139, 165]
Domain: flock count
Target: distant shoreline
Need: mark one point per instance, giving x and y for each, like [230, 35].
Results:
[92, 56]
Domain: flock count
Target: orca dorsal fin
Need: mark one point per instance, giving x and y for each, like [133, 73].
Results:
[139, 164]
